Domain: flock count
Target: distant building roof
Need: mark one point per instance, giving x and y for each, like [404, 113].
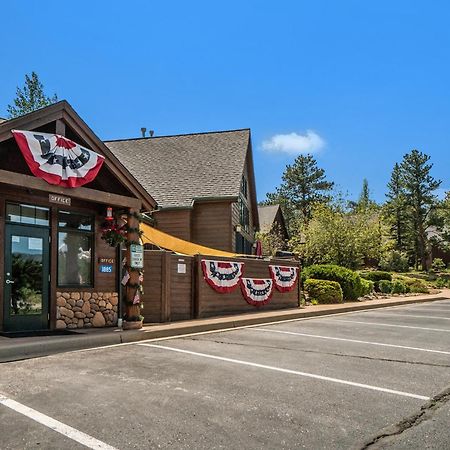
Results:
[178, 169]
[267, 214]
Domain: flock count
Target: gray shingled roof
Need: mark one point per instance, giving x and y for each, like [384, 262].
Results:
[175, 170]
[267, 215]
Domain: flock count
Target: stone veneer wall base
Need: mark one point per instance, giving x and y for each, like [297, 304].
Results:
[86, 309]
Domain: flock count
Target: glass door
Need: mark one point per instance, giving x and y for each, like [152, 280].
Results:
[26, 302]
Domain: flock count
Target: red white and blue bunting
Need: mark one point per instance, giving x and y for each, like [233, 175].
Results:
[58, 160]
[222, 276]
[284, 277]
[257, 291]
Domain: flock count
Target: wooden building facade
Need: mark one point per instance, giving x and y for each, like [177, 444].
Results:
[55, 270]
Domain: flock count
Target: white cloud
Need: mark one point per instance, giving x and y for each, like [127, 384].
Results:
[294, 143]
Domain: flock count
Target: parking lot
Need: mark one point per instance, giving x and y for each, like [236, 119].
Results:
[355, 380]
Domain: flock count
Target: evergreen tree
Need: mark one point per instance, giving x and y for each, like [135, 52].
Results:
[303, 185]
[364, 201]
[419, 187]
[30, 97]
[395, 209]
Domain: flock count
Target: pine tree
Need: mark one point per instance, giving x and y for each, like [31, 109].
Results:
[303, 185]
[30, 97]
[395, 209]
[419, 187]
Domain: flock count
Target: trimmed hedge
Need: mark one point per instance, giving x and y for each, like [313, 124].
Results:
[323, 291]
[376, 275]
[350, 281]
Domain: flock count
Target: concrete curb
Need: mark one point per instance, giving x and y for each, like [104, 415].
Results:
[38, 347]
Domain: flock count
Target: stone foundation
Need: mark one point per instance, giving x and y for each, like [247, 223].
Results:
[86, 309]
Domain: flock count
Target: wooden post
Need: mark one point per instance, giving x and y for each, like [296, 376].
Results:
[131, 310]
[198, 279]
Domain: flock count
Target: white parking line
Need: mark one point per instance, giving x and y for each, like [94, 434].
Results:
[55, 425]
[422, 310]
[381, 344]
[390, 325]
[407, 315]
[292, 372]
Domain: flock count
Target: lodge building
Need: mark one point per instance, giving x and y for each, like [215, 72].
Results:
[57, 269]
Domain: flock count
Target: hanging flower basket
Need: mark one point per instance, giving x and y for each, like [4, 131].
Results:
[113, 234]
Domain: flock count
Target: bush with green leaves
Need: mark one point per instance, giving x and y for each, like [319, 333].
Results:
[376, 275]
[438, 265]
[367, 286]
[349, 280]
[385, 286]
[398, 287]
[441, 282]
[323, 291]
[394, 261]
[414, 285]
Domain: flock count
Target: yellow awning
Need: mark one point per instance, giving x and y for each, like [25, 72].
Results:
[163, 240]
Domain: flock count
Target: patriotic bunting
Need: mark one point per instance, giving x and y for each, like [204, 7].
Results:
[222, 276]
[284, 277]
[257, 291]
[58, 160]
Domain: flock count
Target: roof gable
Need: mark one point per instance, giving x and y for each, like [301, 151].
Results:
[267, 215]
[62, 111]
[178, 170]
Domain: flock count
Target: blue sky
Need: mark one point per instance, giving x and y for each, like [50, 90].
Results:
[369, 81]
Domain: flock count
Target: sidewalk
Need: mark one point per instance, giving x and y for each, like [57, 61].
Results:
[14, 349]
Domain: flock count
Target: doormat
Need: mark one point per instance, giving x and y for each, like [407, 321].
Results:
[37, 333]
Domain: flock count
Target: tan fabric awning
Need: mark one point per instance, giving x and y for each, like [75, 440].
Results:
[163, 240]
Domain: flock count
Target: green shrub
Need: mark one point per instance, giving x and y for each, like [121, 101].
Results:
[323, 291]
[394, 261]
[368, 286]
[377, 275]
[349, 280]
[441, 282]
[438, 265]
[385, 286]
[398, 287]
[415, 285]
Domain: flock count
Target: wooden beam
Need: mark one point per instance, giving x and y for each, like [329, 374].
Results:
[60, 127]
[90, 195]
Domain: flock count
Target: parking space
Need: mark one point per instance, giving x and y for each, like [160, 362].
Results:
[330, 382]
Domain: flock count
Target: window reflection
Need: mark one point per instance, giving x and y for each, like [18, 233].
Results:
[74, 259]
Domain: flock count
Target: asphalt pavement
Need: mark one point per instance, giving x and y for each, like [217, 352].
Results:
[370, 379]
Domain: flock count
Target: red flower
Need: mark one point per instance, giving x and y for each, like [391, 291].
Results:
[64, 143]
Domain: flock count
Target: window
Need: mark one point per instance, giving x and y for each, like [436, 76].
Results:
[27, 214]
[75, 251]
[243, 246]
[244, 187]
[244, 215]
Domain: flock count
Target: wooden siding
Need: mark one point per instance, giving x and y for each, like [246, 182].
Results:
[176, 222]
[152, 298]
[167, 293]
[180, 289]
[170, 295]
[211, 225]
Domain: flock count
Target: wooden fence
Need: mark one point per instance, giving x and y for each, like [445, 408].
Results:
[174, 288]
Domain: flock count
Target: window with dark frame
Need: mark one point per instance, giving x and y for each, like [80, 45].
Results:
[75, 249]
